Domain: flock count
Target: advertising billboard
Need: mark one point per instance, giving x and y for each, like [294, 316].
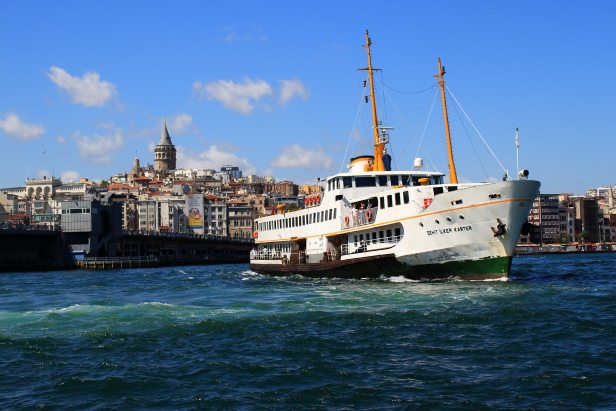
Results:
[194, 212]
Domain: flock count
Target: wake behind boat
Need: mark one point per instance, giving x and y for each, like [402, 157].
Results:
[371, 221]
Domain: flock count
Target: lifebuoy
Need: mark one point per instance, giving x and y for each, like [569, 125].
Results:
[369, 214]
[255, 234]
[337, 242]
[346, 220]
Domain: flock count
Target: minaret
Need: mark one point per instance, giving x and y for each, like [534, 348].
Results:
[165, 152]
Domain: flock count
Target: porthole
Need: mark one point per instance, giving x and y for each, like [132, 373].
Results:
[437, 222]
[421, 224]
[461, 217]
[448, 218]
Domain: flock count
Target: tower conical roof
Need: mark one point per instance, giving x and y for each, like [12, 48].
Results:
[165, 140]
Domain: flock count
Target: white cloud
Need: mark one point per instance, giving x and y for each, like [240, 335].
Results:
[356, 135]
[232, 35]
[297, 156]
[290, 88]
[15, 128]
[100, 149]
[40, 173]
[151, 146]
[213, 157]
[239, 97]
[69, 175]
[61, 139]
[89, 90]
[181, 123]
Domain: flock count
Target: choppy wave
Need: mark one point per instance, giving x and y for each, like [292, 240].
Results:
[224, 337]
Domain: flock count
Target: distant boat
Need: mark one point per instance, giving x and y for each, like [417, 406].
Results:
[371, 221]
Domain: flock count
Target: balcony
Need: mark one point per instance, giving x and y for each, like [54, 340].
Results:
[359, 219]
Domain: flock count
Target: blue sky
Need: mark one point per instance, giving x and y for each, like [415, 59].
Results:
[275, 90]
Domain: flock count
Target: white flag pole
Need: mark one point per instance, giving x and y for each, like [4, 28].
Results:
[517, 143]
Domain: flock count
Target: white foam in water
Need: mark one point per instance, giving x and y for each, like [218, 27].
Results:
[191, 278]
[494, 279]
[401, 279]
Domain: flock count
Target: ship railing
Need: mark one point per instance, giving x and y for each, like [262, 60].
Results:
[141, 258]
[359, 218]
[267, 255]
[369, 245]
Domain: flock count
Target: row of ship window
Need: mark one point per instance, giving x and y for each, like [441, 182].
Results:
[379, 181]
[380, 235]
[290, 222]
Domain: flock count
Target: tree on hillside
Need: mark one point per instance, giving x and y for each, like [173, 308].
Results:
[104, 183]
[291, 207]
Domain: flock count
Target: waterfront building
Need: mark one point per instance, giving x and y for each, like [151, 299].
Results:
[587, 218]
[9, 205]
[216, 214]
[544, 218]
[240, 219]
[566, 221]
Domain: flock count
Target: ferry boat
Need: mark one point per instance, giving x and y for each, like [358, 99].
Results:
[371, 221]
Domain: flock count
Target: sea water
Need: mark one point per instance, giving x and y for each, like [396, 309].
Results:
[223, 337]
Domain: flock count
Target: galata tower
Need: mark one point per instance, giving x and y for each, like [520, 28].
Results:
[164, 153]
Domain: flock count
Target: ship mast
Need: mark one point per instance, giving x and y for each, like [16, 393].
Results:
[453, 177]
[378, 145]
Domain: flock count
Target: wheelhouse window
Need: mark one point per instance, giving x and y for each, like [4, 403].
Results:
[365, 182]
[383, 181]
[347, 182]
[337, 183]
[406, 180]
[394, 180]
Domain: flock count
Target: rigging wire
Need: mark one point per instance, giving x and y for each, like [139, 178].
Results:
[427, 121]
[417, 125]
[404, 92]
[471, 141]
[352, 130]
[412, 135]
[469, 120]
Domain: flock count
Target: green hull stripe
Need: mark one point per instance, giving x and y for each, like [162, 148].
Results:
[486, 268]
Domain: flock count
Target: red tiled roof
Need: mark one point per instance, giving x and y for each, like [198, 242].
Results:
[213, 197]
[236, 202]
[142, 178]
